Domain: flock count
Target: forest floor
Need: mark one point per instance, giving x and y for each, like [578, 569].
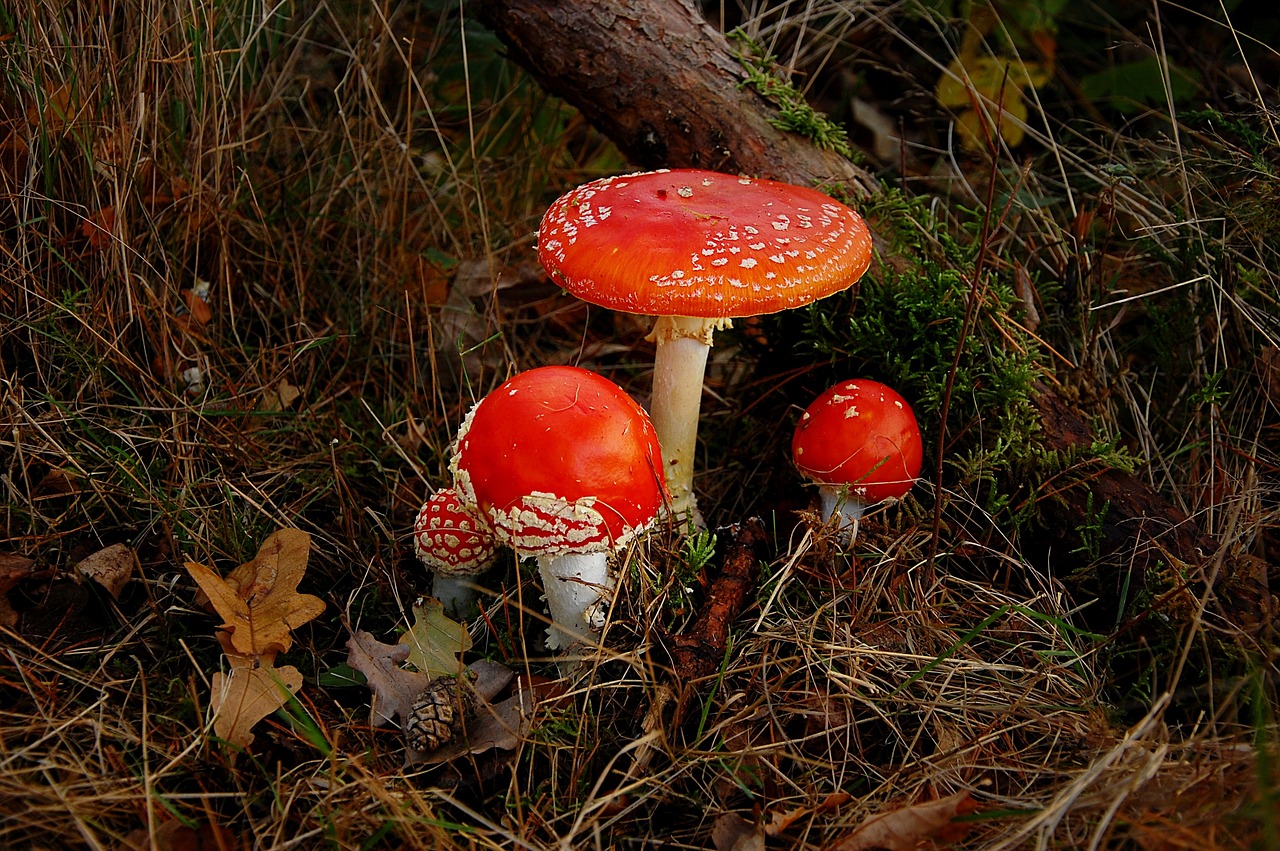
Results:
[257, 263]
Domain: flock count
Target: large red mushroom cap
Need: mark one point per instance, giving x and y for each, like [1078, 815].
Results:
[861, 435]
[699, 243]
[451, 540]
[560, 460]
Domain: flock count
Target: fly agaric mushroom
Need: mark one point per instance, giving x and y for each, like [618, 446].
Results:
[697, 248]
[456, 546]
[566, 467]
[860, 442]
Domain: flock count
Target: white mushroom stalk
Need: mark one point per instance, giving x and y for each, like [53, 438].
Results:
[682, 344]
[570, 541]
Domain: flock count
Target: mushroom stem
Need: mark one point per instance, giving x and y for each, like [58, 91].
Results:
[837, 500]
[575, 585]
[460, 594]
[680, 362]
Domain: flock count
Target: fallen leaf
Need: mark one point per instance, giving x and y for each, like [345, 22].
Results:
[280, 398]
[435, 640]
[905, 829]
[198, 307]
[394, 688]
[259, 601]
[176, 836]
[13, 569]
[782, 820]
[249, 694]
[110, 567]
[997, 83]
[99, 227]
[731, 832]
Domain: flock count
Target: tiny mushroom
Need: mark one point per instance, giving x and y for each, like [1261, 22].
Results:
[566, 468]
[696, 249]
[860, 442]
[456, 546]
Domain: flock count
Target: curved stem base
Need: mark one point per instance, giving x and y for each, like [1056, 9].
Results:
[578, 588]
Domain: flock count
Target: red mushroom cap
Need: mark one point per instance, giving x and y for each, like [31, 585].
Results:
[862, 434]
[699, 243]
[560, 460]
[451, 540]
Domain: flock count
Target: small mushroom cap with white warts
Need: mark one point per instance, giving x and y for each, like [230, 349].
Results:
[696, 243]
[861, 434]
[560, 460]
[451, 540]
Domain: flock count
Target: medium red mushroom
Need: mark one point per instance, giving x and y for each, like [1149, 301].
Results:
[566, 468]
[697, 248]
[457, 546]
[860, 442]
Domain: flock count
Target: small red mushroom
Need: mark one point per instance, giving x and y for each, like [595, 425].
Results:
[697, 248]
[566, 468]
[456, 546]
[860, 442]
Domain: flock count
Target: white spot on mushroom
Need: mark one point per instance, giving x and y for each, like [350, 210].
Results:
[685, 191]
[748, 263]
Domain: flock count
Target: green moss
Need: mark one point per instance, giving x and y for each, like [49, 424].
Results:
[923, 327]
[795, 114]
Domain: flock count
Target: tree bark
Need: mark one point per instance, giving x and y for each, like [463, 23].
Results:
[664, 85]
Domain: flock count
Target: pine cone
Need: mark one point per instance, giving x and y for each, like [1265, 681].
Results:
[438, 713]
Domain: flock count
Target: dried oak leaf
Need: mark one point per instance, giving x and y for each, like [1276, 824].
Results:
[259, 601]
[250, 693]
[279, 398]
[907, 828]
[731, 832]
[394, 688]
[435, 640]
[13, 569]
[783, 819]
[176, 836]
[110, 567]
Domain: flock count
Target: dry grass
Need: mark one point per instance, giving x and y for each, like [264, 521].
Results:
[206, 208]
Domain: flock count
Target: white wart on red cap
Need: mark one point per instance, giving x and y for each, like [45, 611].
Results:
[861, 443]
[700, 243]
[559, 460]
[449, 539]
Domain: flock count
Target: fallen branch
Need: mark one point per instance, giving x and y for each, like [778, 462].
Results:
[699, 652]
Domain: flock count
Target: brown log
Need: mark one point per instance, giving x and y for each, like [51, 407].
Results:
[664, 85]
